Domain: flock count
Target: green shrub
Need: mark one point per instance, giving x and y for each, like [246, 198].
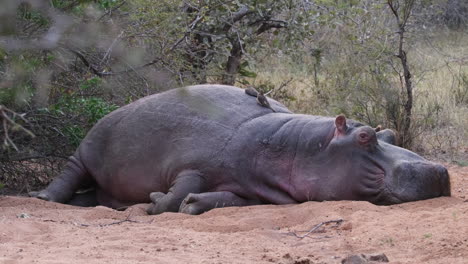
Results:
[86, 111]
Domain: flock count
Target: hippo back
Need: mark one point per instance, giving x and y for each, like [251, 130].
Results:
[167, 132]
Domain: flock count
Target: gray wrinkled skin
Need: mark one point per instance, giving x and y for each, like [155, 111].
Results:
[202, 147]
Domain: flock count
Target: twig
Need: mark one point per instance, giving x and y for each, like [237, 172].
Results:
[111, 47]
[121, 221]
[7, 121]
[87, 64]
[112, 10]
[7, 140]
[127, 219]
[191, 27]
[284, 84]
[103, 74]
[6, 118]
[70, 6]
[337, 222]
[3, 108]
[269, 24]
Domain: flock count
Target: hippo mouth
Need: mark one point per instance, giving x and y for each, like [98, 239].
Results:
[373, 183]
[387, 197]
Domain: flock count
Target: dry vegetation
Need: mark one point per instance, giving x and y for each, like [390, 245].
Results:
[440, 63]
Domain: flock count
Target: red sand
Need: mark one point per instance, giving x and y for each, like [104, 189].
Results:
[431, 231]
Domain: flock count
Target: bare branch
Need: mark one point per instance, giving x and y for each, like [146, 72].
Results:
[191, 27]
[282, 85]
[112, 10]
[87, 64]
[313, 229]
[111, 47]
[394, 7]
[104, 74]
[237, 16]
[7, 141]
[405, 135]
[269, 24]
[8, 123]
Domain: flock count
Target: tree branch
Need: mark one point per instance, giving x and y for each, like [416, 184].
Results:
[394, 9]
[9, 122]
[112, 10]
[269, 24]
[87, 64]
[313, 229]
[104, 74]
[406, 135]
[191, 27]
[237, 16]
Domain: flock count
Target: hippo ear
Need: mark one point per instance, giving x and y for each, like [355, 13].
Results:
[387, 135]
[378, 128]
[340, 123]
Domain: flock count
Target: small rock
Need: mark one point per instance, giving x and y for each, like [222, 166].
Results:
[23, 215]
[378, 257]
[303, 261]
[363, 259]
[354, 259]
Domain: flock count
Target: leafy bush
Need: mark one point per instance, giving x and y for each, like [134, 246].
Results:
[88, 110]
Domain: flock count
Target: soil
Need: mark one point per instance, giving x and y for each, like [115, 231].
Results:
[430, 231]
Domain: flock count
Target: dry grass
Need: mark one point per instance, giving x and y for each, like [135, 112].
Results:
[441, 95]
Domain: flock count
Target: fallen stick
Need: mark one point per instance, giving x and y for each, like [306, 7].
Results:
[127, 219]
[337, 222]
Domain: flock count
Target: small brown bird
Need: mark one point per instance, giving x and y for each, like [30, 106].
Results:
[251, 91]
[263, 101]
[261, 98]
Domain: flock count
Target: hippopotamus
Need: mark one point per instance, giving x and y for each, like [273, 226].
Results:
[201, 147]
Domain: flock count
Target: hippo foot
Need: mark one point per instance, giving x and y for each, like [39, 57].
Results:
[40, 195]
[156, 196]
[197, 203]
[157, 203]
[193, 204]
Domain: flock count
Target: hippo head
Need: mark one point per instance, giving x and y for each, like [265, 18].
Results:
[358, 163]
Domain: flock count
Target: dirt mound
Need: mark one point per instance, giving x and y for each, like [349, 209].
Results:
[431, 231]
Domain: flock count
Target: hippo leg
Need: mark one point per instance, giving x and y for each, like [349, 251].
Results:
[62, 188]
[198, 203]
[188, 181]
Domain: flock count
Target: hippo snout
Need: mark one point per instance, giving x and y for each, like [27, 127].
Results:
[444, 180]
[414, 181]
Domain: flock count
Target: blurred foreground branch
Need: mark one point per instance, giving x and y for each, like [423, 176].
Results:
[8, 117]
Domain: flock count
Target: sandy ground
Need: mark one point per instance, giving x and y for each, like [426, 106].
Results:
[431, 231]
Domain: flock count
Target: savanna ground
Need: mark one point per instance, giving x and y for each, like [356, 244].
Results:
[430, 231]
